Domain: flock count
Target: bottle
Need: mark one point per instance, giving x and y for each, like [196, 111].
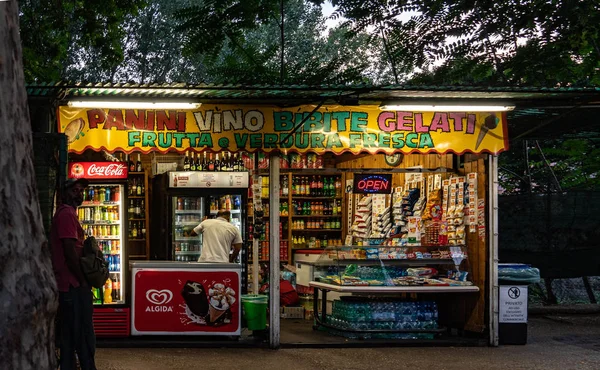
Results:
[235, 165]
[217, 165]
[108, 291]
[186, 162]
[313, 187]
[131, 209]
[142, 209]
[224, 164]
[139, 229]
[115, 289]
[143, 230]
[138, 164]
[131, 164]
[204, 163]
[138, 210]
[192, 162]
[241, 166]
[180, 204]
[320, 191]
[134, 231]
[117, 194]
[284, 187]
[211, 163]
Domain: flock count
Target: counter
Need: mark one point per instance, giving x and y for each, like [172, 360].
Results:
[185, 298]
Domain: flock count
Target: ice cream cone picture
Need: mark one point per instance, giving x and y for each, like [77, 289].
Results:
[221, 299]
[216, 313]
[490, 123]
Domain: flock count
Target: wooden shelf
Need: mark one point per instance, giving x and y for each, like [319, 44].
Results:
[136, 197]
[317, 216]
[317, 230]
[395, 289]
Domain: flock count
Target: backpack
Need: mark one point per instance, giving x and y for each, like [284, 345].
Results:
[93, 264]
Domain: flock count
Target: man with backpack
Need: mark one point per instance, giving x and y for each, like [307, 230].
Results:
[75, 295]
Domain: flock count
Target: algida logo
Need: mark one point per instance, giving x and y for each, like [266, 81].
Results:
[159, 298]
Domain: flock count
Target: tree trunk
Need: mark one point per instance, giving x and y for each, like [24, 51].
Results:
[28, 298]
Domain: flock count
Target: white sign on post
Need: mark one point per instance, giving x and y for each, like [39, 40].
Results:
[513, 304]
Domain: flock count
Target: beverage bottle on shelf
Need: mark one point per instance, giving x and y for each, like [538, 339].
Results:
[144, 230]
[131, 209]
[236, 163]
[193, 162]
[204, 163]
[211, 163]
[133, 231]
[138, 190]
[90, 197]
[108, 291]
[142, 209]
[131, 164]
[138, 164]
[139, 230]
[186, 162]
[294, 186]
[313, 187]
[320, 189]
[217, 163]
[338, 187]
[137, 212]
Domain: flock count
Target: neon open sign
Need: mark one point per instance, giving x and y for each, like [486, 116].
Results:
[372, 183]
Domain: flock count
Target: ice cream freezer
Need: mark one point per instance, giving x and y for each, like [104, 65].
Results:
[185, 298]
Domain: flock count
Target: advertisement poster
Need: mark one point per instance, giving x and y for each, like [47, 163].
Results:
[186, 301]
[301, 129]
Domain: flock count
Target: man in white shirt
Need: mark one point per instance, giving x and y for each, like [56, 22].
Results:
[219, 236]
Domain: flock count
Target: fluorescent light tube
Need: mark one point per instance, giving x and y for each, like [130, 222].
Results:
[132, 104]
[447, 108]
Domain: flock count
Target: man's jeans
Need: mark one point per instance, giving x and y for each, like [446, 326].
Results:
[77, 329]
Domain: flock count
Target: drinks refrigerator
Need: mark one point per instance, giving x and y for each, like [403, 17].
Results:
[181, 200]
[102, 215]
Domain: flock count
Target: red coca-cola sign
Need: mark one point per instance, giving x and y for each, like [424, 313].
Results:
[98, 170]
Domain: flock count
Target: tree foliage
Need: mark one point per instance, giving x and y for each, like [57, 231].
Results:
[58, 35]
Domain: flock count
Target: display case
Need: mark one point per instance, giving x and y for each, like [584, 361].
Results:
[374, 278]
[392, 266]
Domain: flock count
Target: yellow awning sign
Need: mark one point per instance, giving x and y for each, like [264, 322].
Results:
[335, 129]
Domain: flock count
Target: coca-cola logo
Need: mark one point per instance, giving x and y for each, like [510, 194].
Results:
[113, 169]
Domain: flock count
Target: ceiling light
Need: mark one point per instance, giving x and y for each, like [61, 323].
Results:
[446, 107]
[132, 104]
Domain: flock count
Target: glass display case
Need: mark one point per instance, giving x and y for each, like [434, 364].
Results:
[392, 266]
[372, 279]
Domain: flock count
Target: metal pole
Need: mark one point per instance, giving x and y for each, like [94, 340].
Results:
[274, 269]
[255, 241]
[493, 243]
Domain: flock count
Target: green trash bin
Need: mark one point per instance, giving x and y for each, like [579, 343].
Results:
[255, 310]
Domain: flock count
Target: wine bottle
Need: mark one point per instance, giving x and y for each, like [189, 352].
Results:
[186, 162]
[193, 163]
[131, 164]
[211, 163]
[138, 165]
[204, 163]
[217, 163]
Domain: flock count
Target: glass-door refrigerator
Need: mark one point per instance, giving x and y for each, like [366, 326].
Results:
[190, 197]
[102, 215]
